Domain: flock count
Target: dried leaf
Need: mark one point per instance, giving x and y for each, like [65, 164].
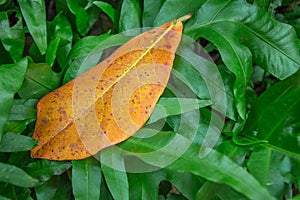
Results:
[110, 102]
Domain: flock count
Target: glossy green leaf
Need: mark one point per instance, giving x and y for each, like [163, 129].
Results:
[10, 192]
[11, 78]
[23, 110]
[58, 187]
[151, 9]
[12, 142]
[45, 169]
[180, 180]
[39, 80]
[104, 192]
[109, 10]
[60, 28]
[114, 172]
[270, 46]
[173, 9]
[86, 178]
[145, 185]
[15, 126]
[5, 57]
[270, 174]
[274, 117]
[88, 51]
[174, 106]
[209, 190]
[130, 15]
[34, 13]
[215, 167]
[236, 57]
[198, 81]
[16, 176]
[51, 51]
[12, 37]
[86, 14]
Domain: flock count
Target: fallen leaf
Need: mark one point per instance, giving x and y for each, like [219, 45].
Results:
[110, 102]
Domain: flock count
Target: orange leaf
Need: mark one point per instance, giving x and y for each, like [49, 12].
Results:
[110, 102]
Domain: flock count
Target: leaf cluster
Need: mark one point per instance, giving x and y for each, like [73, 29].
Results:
[232, 102]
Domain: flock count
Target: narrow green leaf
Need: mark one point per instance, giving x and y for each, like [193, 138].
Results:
[23, 110]
[34, 13]
[16, 176]
[12, 38]
[274, 117]
[11, 78]
[208, 190]
[235, 56]
[173, 9]
[15, 126]
[60, 28]
[174, 106]
[266, 165]
[180, 180]
[151, 9]
[39, 80]
[114, 172]
[58, 187]
[88, 51]
[145, 185]
[45, 169]
[109, 10]
[130, 15]
[86, 15]
[12, 142]
[51, 51]
[86, 178]
[10, 192]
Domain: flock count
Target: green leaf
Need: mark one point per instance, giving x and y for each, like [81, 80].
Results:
[173, 9]
[86, 178]
[58, 187]
[174, 106]
[12, 142]
[208, 190]
[235, 56]
[109, 10]
[88, 51]
[180, 180]
[113, 168]
[130, 15]
[10, 192]
[266, 165]
[5, 57]
[23, 110]
[144, 185]
[61, 29]
[52, 51]
[15, 126]
[86, 14]
[274, 117]
[272, 44]
[39, 80]
[151, 9]
[12, 37]
[11, 78]
[16, 176]
[45, 169]
[215, 167]
[34, 13]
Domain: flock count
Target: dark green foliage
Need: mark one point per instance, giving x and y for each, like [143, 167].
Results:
[227, 126]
